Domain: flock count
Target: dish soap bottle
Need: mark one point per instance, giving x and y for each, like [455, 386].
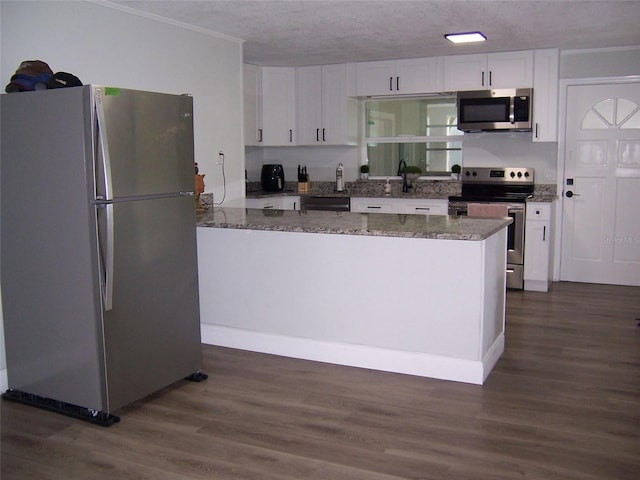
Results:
[339, 178]
[387, 188]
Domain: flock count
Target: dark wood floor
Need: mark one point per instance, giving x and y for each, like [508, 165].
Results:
[562, 403]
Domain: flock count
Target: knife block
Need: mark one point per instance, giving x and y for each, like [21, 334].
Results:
[304, 187]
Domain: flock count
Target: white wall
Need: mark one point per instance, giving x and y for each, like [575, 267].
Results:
[321, 162]
[604, 62]
[511, 149]
[487, 149]
[111, 46]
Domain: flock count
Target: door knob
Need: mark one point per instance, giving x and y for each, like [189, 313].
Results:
[570, 194]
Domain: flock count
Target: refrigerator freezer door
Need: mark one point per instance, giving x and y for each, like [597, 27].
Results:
[152, 332]
[149, 137]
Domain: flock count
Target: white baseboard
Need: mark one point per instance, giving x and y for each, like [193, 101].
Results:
[536, 285]
[493, 355]
[411, 363]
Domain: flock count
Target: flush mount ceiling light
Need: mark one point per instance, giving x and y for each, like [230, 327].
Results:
[467, 37]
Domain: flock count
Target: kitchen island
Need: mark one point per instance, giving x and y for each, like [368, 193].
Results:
[414, 294]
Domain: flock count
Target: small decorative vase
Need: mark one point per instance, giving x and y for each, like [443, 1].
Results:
[199, 189]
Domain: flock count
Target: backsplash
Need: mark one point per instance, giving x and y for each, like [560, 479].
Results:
[375, 188]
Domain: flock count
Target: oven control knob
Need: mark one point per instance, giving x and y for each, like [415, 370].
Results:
[467, 173]
[526, 174]
[519, 174]
[475, 174]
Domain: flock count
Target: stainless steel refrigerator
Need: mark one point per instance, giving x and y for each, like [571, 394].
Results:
[97, 247]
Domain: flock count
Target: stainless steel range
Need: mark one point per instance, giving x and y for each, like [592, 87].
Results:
[500, 185]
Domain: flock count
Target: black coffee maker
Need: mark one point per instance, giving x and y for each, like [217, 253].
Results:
[272, 178]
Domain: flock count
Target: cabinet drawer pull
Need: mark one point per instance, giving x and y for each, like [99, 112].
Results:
[374, 206]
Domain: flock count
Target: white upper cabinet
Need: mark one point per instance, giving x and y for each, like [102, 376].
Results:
[417, 75]
[324, 113]
[252, 105]
[278, 106]
[545, 95]
[487, 71]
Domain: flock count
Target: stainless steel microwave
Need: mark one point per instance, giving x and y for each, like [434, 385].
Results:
[500, 109]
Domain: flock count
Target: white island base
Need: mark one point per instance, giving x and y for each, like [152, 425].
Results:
[426, 307]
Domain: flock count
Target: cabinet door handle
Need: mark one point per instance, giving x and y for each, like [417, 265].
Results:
[397, 84]
[290, 136]
[536, 135]
[483, 79]
[391, 84]
[324, 138]
[490, 78]
[317, 134]
[260, 135]
[544, 233]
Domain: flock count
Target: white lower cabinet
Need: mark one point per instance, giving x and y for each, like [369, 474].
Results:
[373, 205]
[275, 203]
[426, 206]
[399, 205]
[538, 240]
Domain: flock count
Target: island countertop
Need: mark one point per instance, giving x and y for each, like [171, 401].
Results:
[442, 227]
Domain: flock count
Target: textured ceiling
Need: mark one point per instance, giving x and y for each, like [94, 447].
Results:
[312, 32]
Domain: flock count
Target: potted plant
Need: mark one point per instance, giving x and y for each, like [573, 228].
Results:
[413, 172]
[364, 172]
[455, 171]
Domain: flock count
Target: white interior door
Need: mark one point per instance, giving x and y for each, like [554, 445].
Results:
[601, 205]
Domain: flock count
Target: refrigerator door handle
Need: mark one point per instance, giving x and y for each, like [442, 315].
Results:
[107, 294]
[104, 147]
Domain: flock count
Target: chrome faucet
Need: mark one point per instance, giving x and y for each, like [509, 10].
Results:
[402, 171]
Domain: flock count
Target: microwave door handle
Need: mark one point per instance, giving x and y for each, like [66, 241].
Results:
[512, 110]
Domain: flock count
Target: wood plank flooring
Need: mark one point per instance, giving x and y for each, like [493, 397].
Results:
[562, 403]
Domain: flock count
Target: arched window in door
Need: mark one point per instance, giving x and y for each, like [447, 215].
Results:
[612, 113]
